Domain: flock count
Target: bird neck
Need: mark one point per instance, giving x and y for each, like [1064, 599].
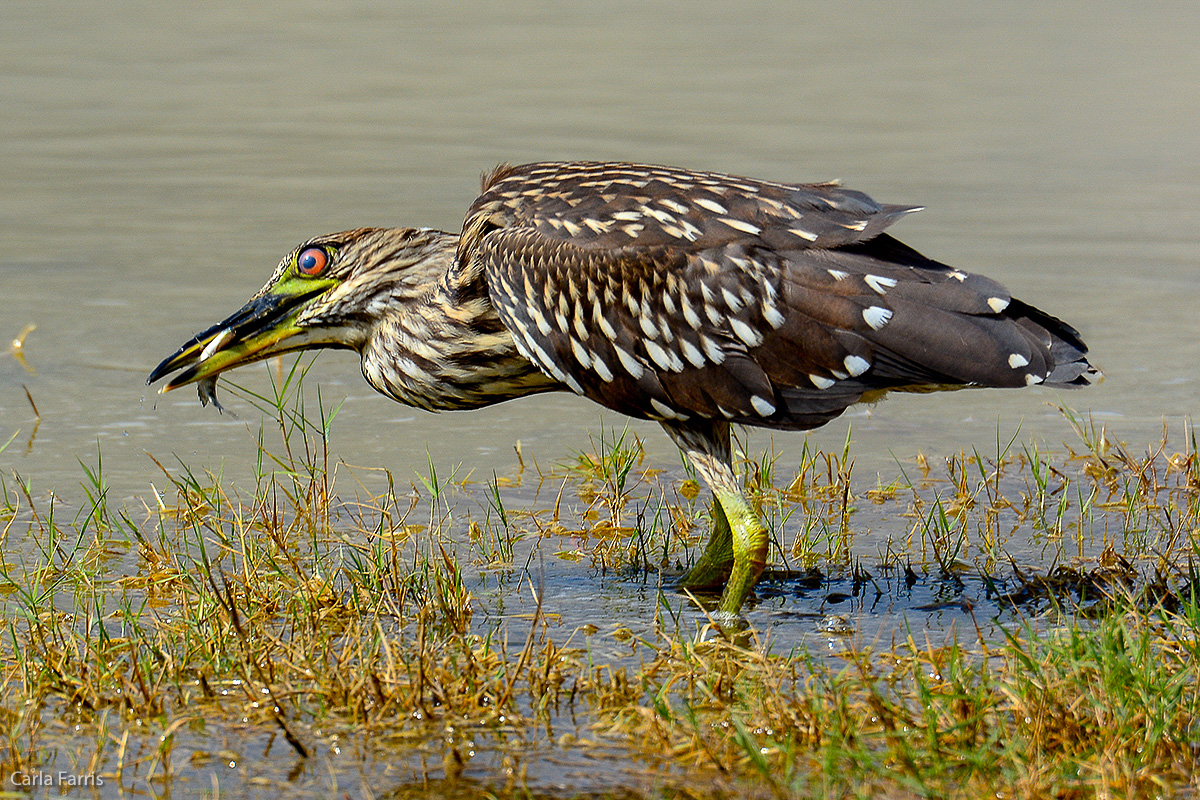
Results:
[444, 347]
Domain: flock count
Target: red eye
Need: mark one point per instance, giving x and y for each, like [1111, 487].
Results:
[312, 261]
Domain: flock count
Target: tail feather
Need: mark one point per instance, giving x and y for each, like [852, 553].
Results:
[1067, 352]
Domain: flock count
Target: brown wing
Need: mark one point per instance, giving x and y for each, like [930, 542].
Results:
[671, 294]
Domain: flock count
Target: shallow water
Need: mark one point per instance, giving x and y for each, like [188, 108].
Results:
[158, 159]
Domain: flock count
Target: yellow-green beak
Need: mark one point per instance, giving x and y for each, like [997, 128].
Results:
[264, 327]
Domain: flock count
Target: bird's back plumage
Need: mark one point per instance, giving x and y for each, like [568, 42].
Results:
[676, 295]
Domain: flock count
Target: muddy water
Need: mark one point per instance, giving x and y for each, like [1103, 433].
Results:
[156, 159]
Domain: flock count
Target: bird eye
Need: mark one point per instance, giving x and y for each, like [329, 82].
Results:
[312, 261]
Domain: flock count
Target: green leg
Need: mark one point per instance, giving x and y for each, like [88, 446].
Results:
[749, 551]
[737, 549]
[716, 562]
[735, 554]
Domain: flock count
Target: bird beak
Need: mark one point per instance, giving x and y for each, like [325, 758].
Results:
[264, 327]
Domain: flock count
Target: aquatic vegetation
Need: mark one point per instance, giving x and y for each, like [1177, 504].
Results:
[402, 634]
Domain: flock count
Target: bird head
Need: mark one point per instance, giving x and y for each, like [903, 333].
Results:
[329, 292]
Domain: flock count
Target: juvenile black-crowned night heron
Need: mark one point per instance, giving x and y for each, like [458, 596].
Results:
[695, 299]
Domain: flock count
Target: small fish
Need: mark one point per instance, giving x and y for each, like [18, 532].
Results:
[207, 389]
[215, 344]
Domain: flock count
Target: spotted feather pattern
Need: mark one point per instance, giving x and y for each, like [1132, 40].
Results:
[686, 296]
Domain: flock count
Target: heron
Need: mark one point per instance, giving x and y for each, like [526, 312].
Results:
[695, 299]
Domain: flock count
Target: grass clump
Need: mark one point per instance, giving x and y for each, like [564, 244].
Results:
[401, 640]
[1079, 711]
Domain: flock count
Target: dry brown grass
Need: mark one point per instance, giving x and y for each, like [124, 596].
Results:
[347, 631]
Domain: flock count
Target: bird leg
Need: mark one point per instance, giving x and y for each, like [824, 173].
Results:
[737, 548]
[712, 569]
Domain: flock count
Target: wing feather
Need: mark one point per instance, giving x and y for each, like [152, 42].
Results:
[669, 294]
